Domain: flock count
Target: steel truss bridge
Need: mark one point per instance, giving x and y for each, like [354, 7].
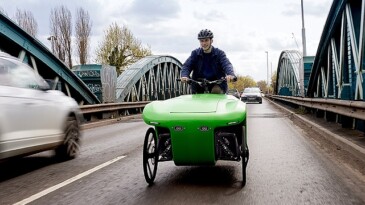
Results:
[335, 72]
[151, 78]
[337, 69]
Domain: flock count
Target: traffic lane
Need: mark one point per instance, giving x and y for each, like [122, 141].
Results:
[26, 176]
[278, 172]
[283, 169]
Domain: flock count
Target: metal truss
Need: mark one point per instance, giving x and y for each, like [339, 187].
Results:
[288, 82]
[151, 78]
[338, 68]
[16, 42]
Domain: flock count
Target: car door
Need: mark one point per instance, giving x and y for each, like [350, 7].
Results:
[27, 125]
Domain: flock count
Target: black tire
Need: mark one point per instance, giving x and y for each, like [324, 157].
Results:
[150, 156]
[245, 156]
[70, 147]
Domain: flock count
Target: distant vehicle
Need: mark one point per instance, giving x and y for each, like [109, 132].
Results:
[234, 92]
[251, 94]
[34, 118]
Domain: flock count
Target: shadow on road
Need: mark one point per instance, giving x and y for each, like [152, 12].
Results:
[19, 166]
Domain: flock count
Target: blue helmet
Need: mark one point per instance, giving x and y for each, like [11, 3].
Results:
[205, 33]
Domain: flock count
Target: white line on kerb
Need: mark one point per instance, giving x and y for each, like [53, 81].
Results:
[68, 181]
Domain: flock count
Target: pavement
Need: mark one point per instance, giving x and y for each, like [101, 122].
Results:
[343, 139]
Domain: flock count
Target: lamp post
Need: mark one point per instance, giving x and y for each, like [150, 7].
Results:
[301, 67]
[267, 67]
[303, 32]
[52, 39]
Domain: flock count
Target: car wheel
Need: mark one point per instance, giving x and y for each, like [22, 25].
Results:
[70, 147]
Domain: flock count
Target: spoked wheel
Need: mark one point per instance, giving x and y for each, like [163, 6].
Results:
[150, 156]
[244, 155]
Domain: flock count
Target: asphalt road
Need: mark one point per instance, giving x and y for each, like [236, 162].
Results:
[285, 167]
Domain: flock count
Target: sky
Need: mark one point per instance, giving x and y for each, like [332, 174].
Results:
[243, 29]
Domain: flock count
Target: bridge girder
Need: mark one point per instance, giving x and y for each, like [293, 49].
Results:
[288, 82]
[17, 42]
[151, 78]
[338, 67]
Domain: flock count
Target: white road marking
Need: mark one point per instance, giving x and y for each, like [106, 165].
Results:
[68, 181]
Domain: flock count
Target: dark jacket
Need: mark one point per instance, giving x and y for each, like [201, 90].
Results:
[221, 66]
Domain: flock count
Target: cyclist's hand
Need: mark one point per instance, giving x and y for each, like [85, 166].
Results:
[184, 79]
[230, 78]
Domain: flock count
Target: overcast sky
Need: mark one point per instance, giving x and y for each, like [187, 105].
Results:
[244, 29]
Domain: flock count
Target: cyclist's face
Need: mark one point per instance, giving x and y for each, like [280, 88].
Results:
[205, 43]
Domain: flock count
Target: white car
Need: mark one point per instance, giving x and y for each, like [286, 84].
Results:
[34, 118]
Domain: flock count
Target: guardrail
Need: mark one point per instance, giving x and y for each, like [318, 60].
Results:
[352, 109]
[111, 110]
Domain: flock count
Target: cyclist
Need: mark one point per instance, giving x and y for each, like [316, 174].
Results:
[207, 62]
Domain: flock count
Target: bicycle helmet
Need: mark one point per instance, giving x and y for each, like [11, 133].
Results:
[205, 33]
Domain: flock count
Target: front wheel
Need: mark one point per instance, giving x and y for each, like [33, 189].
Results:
[244, 155]
[150, 155]
[70, 147]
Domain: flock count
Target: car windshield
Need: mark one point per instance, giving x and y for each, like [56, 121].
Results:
[232, 91]
[18, 75]
[252, 90]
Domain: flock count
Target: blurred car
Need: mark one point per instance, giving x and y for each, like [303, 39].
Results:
[251, 94]
[234, 92]
[33, 117]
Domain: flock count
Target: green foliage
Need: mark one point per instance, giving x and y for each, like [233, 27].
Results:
[242, 83]
[120, 48]
[273, 82]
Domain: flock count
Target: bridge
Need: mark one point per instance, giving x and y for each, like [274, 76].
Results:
[293, 160]
[334, 73]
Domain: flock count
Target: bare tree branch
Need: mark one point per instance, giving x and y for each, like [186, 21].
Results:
[83, 30]
[61, 30]
[26, 21]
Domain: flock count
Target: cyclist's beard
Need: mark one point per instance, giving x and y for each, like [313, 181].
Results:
[208, 50]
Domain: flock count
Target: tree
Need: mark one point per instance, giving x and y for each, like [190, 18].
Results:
[120, 48]
[262, 85]
[242, 83]
[83, 29]
[3, 11]
[273, 82]
[61, 31]
[26, 21]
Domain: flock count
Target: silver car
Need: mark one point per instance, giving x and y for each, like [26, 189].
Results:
[32, 117]
[251, 94]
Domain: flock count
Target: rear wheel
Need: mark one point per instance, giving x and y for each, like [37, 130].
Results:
[150, 155]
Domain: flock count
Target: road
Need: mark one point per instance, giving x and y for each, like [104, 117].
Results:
[285, 167]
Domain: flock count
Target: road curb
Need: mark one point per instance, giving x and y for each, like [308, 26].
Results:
[99, 123]
[344, 144]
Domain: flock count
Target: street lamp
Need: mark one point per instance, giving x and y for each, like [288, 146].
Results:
[301, 67]
[52, 39]
[267, 67]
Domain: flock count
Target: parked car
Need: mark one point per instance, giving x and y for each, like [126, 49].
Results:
[251, 94]
[34, 118]
[234, 92]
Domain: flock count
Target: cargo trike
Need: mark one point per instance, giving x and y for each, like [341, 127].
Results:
[195, 130]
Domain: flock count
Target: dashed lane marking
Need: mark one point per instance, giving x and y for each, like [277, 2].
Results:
[68, 181]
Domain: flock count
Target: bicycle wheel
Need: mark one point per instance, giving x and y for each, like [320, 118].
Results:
[245, 155]
[150, 155]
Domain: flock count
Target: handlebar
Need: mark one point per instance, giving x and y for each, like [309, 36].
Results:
[204, 81]
[206, 84]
